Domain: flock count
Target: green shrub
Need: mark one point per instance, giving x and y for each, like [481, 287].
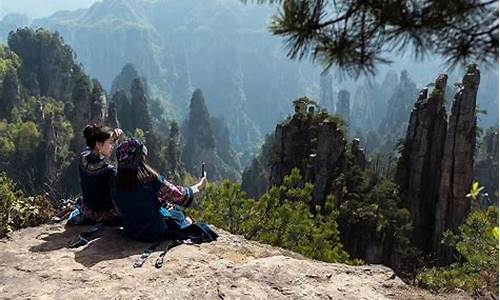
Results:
[477, 243]
[19, 211]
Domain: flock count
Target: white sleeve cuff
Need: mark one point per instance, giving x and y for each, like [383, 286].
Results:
[195, 189]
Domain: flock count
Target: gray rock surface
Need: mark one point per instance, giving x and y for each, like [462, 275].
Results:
[315, 145]
[35, 264]
[363, 111]
[419, 168]
[435, 170]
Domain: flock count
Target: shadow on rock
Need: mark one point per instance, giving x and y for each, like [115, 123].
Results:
[57, 240]
[111, 244]
[108, 244]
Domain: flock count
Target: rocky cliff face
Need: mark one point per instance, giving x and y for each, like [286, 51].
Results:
[174, 165]
[36, 263]
[200, 143]
[140, 104]
[327, 163]
[363, 115]
[326, 98]
[48, 83]
[387, 87]
[132, 103]
[255, 177]
[98, 104]
[223, 143]
[398, 111]
[344, 106]
[123, 81]
[435, 170]
[419, 169]
[112, 116]
[124, 110]
[51, 166]
[48, 67]
[313, 143]
[81, 102]
[458, 158]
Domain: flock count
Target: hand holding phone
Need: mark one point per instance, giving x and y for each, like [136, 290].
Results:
[203, 181]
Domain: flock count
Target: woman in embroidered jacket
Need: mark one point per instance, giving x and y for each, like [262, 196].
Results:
[149, 204]
[95, 173]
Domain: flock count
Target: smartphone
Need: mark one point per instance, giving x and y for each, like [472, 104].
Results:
[202, 169]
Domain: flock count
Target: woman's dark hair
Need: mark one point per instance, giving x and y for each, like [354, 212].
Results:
[128, 179]
[96, 133]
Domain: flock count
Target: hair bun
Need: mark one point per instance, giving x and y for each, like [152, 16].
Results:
[89, 131]
[94, 133]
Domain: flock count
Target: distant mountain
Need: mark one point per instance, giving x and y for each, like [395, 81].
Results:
[222, 47]
[11, 22]
[38, 9]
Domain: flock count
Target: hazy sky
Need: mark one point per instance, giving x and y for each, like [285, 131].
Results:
[40, 8]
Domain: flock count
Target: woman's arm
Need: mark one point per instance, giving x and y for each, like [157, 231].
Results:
[171, 193]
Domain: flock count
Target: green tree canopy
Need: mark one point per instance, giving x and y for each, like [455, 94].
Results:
[281, 217]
